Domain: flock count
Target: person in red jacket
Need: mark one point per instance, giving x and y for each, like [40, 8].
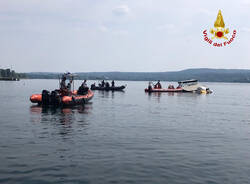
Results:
[158, 85]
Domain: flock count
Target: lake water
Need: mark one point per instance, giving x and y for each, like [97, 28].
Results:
[126, 137]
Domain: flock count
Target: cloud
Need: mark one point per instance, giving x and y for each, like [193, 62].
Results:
[120, 32]
[103, 28]
[207, 12]
[121, 10]
[166, 27]
[110, 30]
[245, 3]
[245, 29]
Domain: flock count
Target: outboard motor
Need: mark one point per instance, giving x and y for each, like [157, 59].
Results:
[45, 97]
[55, 98]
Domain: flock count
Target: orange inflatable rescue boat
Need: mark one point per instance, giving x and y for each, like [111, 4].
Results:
[64, 96]
[55, 98]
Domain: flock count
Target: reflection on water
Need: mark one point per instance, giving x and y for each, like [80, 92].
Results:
[158, 95]
[130, 137]
[107, 94]
[82, 109]
[155, 95]
[63, 115]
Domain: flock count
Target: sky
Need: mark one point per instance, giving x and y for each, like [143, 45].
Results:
[120, 35]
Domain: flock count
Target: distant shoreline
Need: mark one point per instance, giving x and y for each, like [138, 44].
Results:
[9, 79]
[202, 74]
[141, 80]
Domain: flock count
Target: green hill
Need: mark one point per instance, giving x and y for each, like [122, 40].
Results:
[202, 74]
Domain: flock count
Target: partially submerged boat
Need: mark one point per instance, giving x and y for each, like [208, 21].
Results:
[193, 86]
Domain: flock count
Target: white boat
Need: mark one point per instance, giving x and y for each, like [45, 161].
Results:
[193, 86]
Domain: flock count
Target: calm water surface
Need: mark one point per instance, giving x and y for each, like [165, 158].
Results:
[126, 137]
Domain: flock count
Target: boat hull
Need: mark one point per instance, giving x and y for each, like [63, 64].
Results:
[71, 100]
[117, 88]
[77, 99]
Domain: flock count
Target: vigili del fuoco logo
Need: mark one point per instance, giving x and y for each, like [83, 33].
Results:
[219, 33]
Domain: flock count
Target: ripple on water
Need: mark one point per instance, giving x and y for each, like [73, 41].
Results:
[126, 137]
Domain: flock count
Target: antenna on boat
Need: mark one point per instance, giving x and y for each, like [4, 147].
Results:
[59, 80]
[73, 82]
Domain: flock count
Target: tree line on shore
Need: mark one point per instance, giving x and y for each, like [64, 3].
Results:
[202, 74]
[10, 74]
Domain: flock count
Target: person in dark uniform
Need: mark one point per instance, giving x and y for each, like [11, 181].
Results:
[113, 83]
[83, 89]
[103, 83]
[149, 86]
[107, 85]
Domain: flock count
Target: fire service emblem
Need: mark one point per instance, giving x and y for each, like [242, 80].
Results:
[219, 33]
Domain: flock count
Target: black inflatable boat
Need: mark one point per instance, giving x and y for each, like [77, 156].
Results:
[116, 88]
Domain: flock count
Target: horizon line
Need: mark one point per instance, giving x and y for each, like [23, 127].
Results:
[136, 71]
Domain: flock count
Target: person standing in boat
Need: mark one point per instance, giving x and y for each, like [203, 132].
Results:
[63, 88]
[63, 83]
[113, 83]
[103, 83]
[69, 85]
